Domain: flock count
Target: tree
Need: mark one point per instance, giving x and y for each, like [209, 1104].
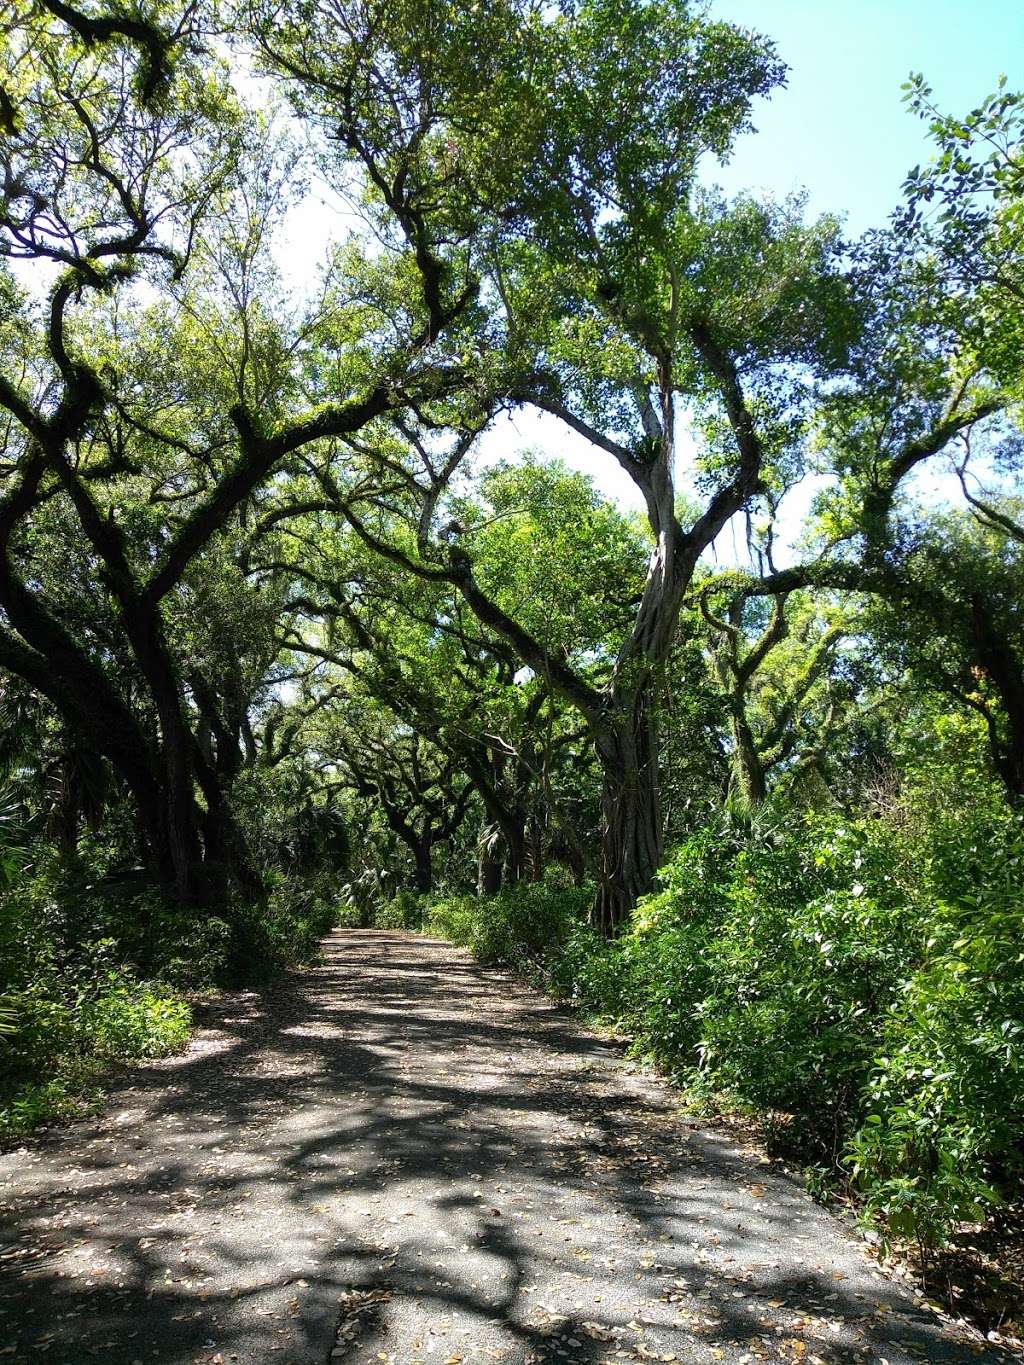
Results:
[783, 712]
[610, 288]
[117, 190]
[966, 208]
[934, 376]
[952, 622]
[573, 568]
[418, 788]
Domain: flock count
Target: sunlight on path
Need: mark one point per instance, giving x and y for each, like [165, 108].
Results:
[403, 1157]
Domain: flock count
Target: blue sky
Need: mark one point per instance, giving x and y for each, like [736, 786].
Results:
[839, 129]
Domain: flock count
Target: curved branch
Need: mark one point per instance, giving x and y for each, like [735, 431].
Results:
[154, 43]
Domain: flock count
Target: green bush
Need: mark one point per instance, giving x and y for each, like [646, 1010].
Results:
[62, 922]
[35, 1103]
[65, 1030]
[651, 982]
[946, 1094]
[865, 995]
[184, 949]
[281, 928]
[347, 916]
[406, 910]
[524, 927]
[89, 967]
[802, 970]
[133, 1019]
[453, 918]
[846, 980]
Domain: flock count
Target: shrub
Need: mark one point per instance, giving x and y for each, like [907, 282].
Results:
[862, 987]
[283, 927]
[65, 1030]
[844, 979]
[452, 918]
[89, 967]
[524, 927]
[133, 1019]
[805, 963]
[946, 1093]
[182, 949]
[659, 972]
[404, 911]
[347, 916]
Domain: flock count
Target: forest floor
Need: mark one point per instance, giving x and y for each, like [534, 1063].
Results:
[401, 1156]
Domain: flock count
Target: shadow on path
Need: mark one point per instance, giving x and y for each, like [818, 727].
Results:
[401, 1156]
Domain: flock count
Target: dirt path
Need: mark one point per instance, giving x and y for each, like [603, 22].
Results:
[403, 1157]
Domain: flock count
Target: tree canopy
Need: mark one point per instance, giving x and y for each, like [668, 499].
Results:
[234, 508]
[289, 612]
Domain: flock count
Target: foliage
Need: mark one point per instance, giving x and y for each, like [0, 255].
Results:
[946, 1092]
[845, 979]
[957, 626]
[70, 1010]
[285, 926]
[404, 911]
[92, 969]
[523, 928]
[67, 1031]
[967, 205]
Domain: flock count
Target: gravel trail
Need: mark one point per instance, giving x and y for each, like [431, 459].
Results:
[403, 1157]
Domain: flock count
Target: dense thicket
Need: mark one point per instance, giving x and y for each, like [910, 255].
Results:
[290, 629]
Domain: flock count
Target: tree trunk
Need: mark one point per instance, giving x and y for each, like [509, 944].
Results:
[227, 857]
[567, 850]
[748, 779]
[509, 820]
[159, 769]
[66, 818]
[513, 828]
[424, 873]
[536, 848]
[1002, 667]
[631, 846]
[180, 814]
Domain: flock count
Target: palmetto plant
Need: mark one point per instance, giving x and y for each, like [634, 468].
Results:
[50, 779]
[14, 836]
[14, 854]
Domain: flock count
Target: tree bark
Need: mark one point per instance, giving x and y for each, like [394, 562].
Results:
[1001, 666]
[513, 828]
[424, 868]
[488, 867]
[631, 837]
[748, 779]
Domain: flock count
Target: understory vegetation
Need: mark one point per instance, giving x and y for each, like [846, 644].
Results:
[853, 983]
[98, 968]
[701, 703]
